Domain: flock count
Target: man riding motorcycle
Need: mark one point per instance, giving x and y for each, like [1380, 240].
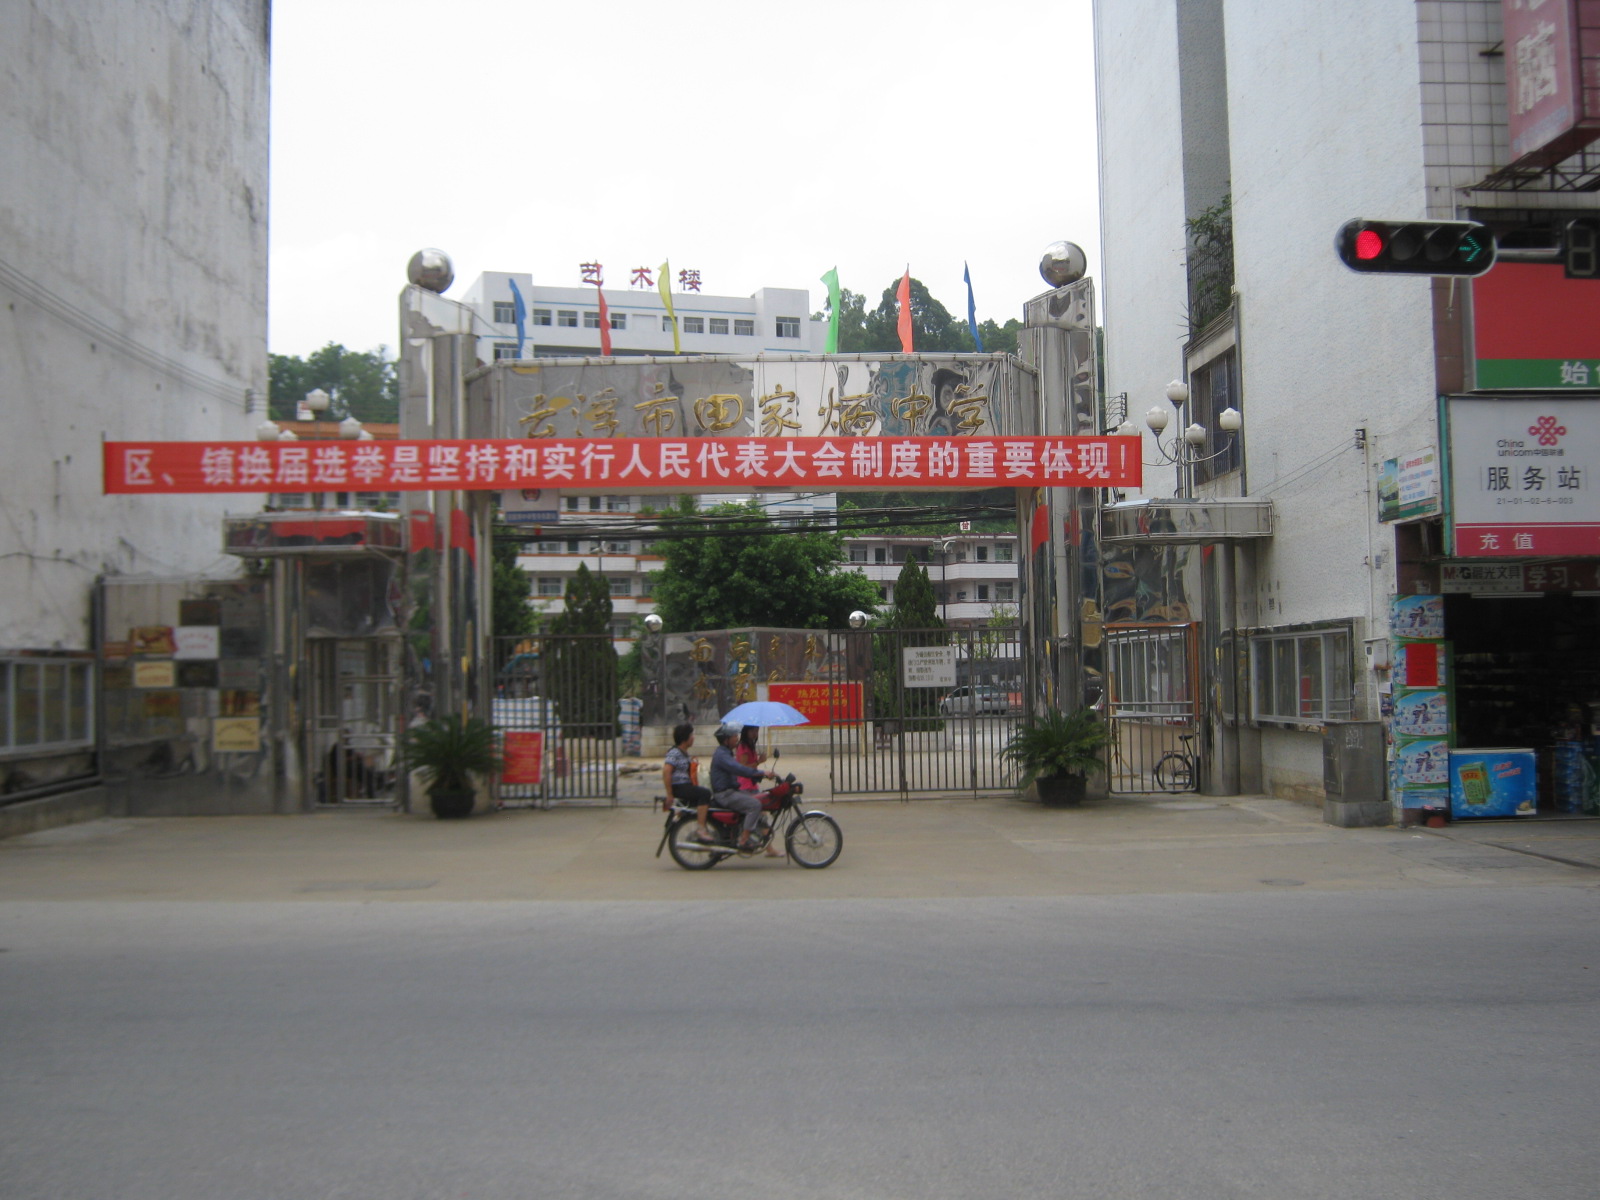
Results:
[726, 771]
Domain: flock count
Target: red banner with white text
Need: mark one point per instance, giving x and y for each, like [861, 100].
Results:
[614, 464]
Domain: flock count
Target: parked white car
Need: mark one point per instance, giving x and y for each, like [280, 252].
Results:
[975, 701]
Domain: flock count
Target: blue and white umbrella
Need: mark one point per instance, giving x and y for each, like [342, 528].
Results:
[765, 712]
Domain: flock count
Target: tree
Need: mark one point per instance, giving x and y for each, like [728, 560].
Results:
[878, 332]
[511, 615]
[914, 621]
[364, 381]
[932, 326]
[581, 671]
[750, 572]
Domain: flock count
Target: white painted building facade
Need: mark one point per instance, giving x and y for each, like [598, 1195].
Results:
[1308, 116]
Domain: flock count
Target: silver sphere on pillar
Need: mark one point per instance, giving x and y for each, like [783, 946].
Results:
[653, 623]
[1063, 263]
[858, 619]
[431, 269]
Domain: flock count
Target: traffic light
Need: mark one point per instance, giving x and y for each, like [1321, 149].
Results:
[1415, 247]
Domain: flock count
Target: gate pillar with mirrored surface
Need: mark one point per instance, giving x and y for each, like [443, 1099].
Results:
[1174, 650]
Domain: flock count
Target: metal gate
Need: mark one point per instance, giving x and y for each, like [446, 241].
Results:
[555, 708]
[923, 711]
[1151, 698]
[354, 715]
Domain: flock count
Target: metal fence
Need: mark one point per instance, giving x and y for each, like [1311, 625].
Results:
[1151, 699]
[924, 711]
[555, 708]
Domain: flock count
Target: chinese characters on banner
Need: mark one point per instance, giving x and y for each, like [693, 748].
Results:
[1522, 478]
[638, 464]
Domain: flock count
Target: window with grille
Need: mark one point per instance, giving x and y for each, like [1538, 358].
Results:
[591, 320]
[1302, 677]
[694, 324]
[505, 312]
[719, 324]
[551, 585]
[744, 328]
[46, 704]
[541, 316]
[788, 327]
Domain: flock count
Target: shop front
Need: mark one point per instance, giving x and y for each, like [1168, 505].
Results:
[1494, 707]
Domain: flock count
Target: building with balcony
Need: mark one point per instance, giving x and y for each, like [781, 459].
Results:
[974, 575]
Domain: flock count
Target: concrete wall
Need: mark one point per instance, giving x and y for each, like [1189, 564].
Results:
[133, 277]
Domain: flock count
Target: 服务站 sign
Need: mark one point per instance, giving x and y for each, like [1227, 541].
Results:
[1522, 477]
[637, 464]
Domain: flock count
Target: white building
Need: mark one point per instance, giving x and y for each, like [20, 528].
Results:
[1307, 116]
[974, 575]
[133, 289]
[564, 321]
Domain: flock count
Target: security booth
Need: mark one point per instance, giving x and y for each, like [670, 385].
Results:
[337, 652]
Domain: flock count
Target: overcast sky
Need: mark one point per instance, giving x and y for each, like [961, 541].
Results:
[755, 142]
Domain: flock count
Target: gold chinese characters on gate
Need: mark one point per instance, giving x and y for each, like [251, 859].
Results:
[955, 410]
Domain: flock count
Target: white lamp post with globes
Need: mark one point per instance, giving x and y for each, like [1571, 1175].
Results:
[1184, 450]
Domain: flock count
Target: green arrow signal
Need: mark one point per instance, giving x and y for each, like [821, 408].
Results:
[1472, 248]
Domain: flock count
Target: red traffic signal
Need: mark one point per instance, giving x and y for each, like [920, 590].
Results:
[1415, 247]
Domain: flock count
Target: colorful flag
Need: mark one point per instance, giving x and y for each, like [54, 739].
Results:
[605, 322]
[904, 296]
[831, 278]
[972, 310]
[664, 285]
[522, 316]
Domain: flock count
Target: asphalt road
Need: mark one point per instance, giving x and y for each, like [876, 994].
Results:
[1387, 1043]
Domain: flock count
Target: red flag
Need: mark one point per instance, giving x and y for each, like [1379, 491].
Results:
[904, 296]
[605, 322]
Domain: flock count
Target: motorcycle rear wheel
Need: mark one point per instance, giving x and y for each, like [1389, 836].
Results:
[688, 853]
[814, 840]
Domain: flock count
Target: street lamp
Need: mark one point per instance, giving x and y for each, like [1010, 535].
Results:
[1184, 450]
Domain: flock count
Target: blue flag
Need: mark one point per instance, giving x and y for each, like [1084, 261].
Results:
[522, 316]
[972, 309]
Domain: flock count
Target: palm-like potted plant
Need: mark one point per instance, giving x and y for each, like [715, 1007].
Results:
[449, 751]
[1057, 751]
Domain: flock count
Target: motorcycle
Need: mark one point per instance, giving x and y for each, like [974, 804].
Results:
[813, 839]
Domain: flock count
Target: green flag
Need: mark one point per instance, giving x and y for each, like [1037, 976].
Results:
[831, 278]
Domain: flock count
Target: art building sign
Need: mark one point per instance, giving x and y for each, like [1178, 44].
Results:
[1523, 477]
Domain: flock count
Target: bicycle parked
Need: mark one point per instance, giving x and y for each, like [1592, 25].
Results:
[1179, 770]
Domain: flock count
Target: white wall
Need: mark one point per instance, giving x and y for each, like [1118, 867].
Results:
[133, 267]
[1141, 207]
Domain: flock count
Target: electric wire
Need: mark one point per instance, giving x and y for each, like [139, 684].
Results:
[32, 290]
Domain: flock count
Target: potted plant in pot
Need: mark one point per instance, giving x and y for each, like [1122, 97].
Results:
[449, 751]
[1057, 751]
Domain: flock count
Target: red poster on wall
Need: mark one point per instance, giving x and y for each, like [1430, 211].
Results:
[822, 703]
[524, 756]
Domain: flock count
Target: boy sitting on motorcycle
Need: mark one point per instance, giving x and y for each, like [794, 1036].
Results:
[678, 776]
[726, 771]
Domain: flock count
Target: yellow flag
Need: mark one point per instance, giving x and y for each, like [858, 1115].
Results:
[664, 284]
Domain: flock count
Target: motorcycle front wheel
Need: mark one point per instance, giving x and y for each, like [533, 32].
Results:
[688, 853]
[814, 840]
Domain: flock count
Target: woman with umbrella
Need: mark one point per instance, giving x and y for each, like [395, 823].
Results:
[747, 753]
